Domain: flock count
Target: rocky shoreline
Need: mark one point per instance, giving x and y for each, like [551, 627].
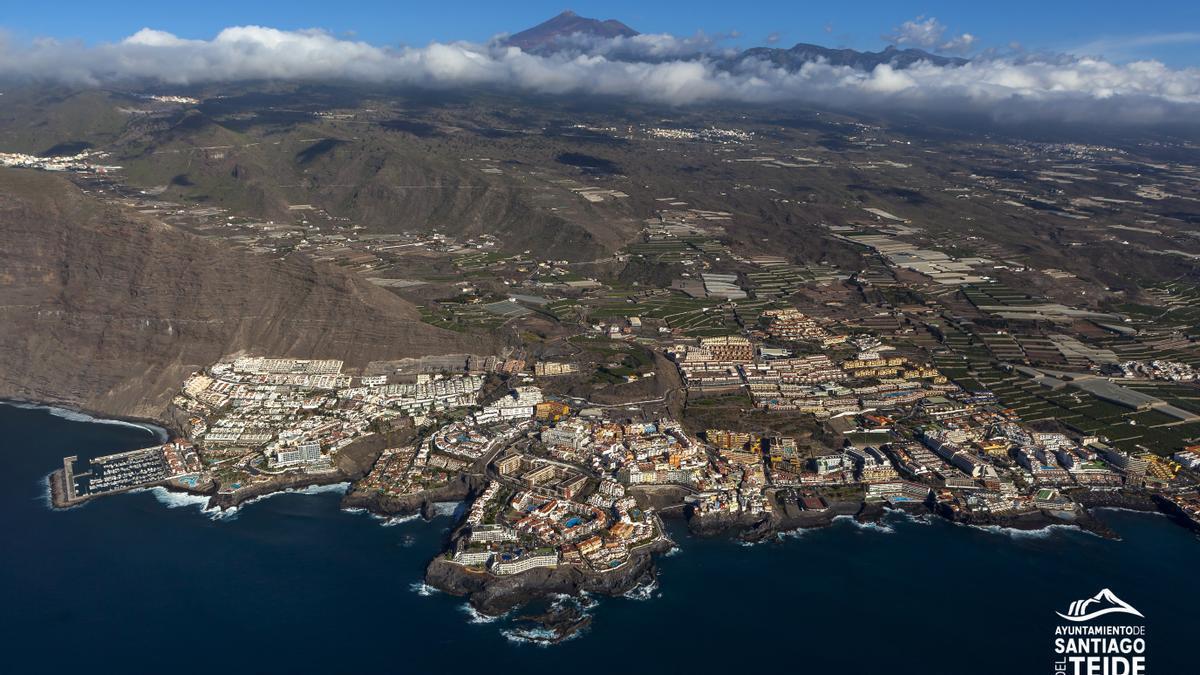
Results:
[756, 528]
[752, 529]
[163, 428]
[1031, 521]
[233, 500]
[462, 488]
[496, 595]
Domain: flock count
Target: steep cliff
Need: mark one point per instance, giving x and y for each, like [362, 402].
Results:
[107, 310]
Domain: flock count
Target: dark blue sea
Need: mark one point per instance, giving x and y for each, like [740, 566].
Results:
[142, 583]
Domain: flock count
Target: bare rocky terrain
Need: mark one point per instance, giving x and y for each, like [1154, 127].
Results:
[108, 310]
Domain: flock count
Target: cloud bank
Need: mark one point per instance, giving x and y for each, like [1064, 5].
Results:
[654, 68]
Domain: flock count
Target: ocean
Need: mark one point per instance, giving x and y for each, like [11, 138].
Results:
[149, 583]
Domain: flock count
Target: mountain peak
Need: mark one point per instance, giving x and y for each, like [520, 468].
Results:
[545, 35]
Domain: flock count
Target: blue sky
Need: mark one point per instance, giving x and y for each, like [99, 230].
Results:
[1167, 31]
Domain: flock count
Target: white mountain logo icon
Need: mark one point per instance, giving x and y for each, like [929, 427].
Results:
[1104, 602]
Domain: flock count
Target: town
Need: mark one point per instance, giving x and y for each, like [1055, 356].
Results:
[646, 352]
[745, 393]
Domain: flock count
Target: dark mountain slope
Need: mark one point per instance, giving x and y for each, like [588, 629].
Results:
[384, 179]
[108, 311]
[544, 35]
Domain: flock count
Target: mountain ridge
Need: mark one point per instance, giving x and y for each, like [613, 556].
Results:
[553, 35]
[546, 35]
[108, 311]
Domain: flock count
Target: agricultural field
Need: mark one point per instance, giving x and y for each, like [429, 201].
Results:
[463, 317]
[693, 316]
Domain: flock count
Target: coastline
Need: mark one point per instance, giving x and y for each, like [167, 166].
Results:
[161, 430]
[462, 488]
[758, 528]
[753, 528]
[229, 501]
[493, 595]
[748, 528]
[397, 557]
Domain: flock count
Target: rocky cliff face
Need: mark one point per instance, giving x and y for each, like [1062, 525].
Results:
[107, 310]
[495, 595]
[421, 503]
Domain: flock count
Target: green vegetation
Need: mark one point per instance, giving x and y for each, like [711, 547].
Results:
[461, 317]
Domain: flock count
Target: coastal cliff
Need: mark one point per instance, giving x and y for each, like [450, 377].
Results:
[495, 595]
[108, 310]
[457, 490]
[760, 526]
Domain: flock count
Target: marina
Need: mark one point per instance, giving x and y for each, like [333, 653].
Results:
[121, 472]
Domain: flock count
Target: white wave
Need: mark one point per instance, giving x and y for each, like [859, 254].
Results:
[173, 499]
[77, 416]
[882, 528]
[673, 551]
[384, 521]
[1044, 532]
[542, 637]
[1125, 510]
[798, 533]
[905, 516]
[218, 513]
[47, 496]
[340, 488]
[582, 600]
[586, 600]
[475, 616]
[398, 520]
[643, 591]
[422, 588]
[308, 490]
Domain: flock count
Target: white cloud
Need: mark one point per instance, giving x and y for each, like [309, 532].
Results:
[666, 70]
[156, 38]
[958, 45]
[643, 46]
[918, 32]
[930, 34]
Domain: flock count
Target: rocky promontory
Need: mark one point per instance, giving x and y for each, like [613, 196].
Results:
[494, 595]
[461, 488]
[282, 483]
[761, 526]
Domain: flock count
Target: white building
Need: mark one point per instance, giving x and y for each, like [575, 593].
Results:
[305, 453]
[524, 563]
